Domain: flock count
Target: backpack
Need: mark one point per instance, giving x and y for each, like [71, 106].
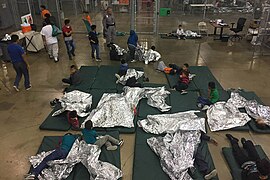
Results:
[55, 31]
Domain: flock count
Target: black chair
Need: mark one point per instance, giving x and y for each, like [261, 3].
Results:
[240, 24]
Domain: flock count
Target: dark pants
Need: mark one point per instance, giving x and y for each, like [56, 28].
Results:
[70, 47]
[200, 161]
[180, 86]
[68, 81]
[122, 72]
[204, 101]
[175, 67]
[132, 49]
[57, 154]
[21, 69]
[95, 48]
[240, 155]
[132, 82]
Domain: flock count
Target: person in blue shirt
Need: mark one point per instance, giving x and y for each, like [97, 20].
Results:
[93, 38]
[59, 153]
[19, 62]
[90, 137]
[132, 44]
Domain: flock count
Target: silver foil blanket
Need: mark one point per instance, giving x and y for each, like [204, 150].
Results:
[120, 51]
[176, 152]
[257, 111]
[130, 73]
[118, 109]
[87, 154]
[75, 100]
[222, 116]
[170, 123]
[237, 100]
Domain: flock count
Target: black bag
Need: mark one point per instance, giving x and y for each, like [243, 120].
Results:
[113, 54]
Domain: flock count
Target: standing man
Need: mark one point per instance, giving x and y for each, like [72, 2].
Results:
[50, 41]
[44, 11]
[67, 33]
[19, 62]
[109, 26]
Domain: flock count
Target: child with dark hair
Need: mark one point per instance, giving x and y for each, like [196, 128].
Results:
[152, 55]
[67, 33]
[59, 153]
[123, 68]
[182, 83]
[87, 17]
[213, 96]
[178, 70]
[180, 32]
[73, 120]
[93, 38]
[90, 137]
[253, 167]
[74, 78]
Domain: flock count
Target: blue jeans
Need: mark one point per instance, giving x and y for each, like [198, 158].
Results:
[57, 154]
[21, 69]
[70, 47]
[204, 101]
[95, 48]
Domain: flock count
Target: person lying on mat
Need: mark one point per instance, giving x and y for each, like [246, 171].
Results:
[152, 55]
[59, 153]
[178, 70]
[213, 96]
[122, 69]
[200, 159]
[180, 32]
[253, 167]
[182, 83]
[261, 123]
[90, 137]
[74, 78]
[73, 120]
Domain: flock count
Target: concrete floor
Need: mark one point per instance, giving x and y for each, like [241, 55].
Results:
[22, 112]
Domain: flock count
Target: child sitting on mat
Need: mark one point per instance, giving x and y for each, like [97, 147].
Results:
[180, 32]
[178, 70]
[74, 78]
[59, 153]
[213, 97]
[90, 137]
[182, 83]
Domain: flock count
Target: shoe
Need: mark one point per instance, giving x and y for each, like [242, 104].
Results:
[133, 60]
[211, 175]
[29, 176]
[199, 105]
[51, 57]
[111, 148]
[146, 62]
[117, 76]
[146, 79]
[16, 88]
[54, 102]
[243, 141]
[121, 142]
[205, 107]
[230, 137]
[184, 92]
[179, 38]
[28, 88]
[56, 59]
[98, 59]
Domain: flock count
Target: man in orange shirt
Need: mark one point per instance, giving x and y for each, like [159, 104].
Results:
[44, 11]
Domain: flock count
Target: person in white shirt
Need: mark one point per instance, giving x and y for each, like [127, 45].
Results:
[50, 41]
[152, 55]
[180, 32]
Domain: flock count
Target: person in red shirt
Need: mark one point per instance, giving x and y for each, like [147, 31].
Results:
[67, 33]
[183, 82]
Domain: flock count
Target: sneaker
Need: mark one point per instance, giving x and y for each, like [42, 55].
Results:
[121, 142]
[51, 57]
[179, 38]
[184, 92]
[98, 59]
[56, 59]
[230, 137]
[211, 175]
[54, 102]
[29, 176]
[111, 148]
[16, 88]
[117, 76]
[146, 62]
[243, 141]
[133, 60]
[28, 88]
[205, 107]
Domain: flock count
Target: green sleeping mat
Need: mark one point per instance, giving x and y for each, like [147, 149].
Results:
[146, 164]
[79, 171]
[105, 77]
[173, 79]
[57, 123]
[145, 109]
[87, 75]
[249, 95]
[203, 76]
[154, 85]
[164, 36]
[233, 165]
[183, 102]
